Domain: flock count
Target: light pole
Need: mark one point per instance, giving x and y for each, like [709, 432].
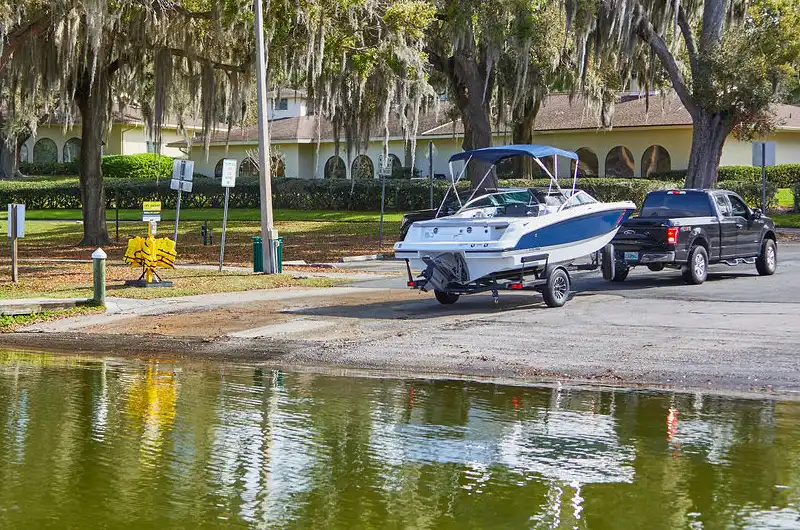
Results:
[268, 233]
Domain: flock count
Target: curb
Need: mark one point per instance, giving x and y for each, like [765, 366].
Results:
[25, 307]
[369, 257]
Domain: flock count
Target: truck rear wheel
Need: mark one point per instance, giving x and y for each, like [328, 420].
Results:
[445, 298]
[767, 260]
[695, 271]
[556, 290]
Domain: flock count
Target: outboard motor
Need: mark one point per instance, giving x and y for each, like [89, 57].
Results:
[445, 269]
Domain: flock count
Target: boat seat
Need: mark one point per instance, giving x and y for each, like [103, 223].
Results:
[523, 210]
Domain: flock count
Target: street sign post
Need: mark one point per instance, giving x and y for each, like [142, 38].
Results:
[384, 170]
[228, 182]
[151, 211]
[16, 229]
[182, 173]
[763, 155]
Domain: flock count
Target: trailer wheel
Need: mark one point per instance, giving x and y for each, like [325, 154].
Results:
[608, 264]
[556, 290]
[445, 298]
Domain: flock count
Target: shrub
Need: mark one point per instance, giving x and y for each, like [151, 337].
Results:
[605, 189]
[49, 168]
[143, 166]
[751, 192]
[797, 197]
[676, 175]
[782, 175]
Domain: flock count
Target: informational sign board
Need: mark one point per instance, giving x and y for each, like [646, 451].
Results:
[229, 173]
[182, 169]
[182, 173]
[182, 185]
[763, 154]
[16, 229]
[151, 211]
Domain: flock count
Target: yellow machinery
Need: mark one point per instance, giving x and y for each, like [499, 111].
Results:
[150, 254]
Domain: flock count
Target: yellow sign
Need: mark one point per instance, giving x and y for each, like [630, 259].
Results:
[151, 211]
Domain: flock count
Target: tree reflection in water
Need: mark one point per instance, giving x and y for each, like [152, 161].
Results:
[102, 442]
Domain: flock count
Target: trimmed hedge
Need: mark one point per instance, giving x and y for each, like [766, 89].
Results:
[298, 194]
[782, 175]
[146, 166]
[142, 166]
[751, 192]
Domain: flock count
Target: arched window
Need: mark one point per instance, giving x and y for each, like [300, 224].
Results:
[619, 162]
[335, 168]
[23, 153]
[45, 151]
[655, 160]
[587, 163]
[218, 169]
[72, 150]
[278, 167]
[362, 168]
[247, 169]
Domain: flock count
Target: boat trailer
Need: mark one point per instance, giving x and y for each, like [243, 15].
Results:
[552, 280]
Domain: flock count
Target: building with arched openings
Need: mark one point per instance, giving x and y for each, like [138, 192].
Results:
[642, 139]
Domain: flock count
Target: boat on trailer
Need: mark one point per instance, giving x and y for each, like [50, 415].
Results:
[514, 238]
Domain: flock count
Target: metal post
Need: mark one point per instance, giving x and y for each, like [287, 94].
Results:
[13, 222]
[268, 233]
[764, 176]
[430, 171]
[177, 214]
[224, 227]
[383, 205]
[99, 275]
[116, 204]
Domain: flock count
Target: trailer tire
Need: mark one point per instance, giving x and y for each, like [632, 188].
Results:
[556, 290]
[621, 274]
[656, 267]
[445, 298]
[608, 264]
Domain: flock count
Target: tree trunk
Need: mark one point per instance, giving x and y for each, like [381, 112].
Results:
[469, 83]
[708, 138]
[522, 133]
[93, 99]
[9, 155]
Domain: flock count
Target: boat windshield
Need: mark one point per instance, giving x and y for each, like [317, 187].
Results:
[503, 198]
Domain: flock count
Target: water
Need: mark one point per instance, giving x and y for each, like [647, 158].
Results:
[94, 443]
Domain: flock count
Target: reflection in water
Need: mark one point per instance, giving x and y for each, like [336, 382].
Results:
[163, 444]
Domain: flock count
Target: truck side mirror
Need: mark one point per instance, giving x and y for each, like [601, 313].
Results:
[756, 213]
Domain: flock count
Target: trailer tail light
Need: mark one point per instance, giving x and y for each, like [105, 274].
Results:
[412, 283]
[515, 286]
[672, 235]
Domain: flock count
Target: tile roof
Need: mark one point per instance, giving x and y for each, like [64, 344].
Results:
[558, 113]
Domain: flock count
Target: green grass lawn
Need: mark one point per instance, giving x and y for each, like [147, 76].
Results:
[785, 198]
[215, 214]
[787, 220]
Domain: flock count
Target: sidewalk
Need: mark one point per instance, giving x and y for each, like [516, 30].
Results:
[27, 306]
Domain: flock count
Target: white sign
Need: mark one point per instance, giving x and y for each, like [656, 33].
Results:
[182, 185]
[769, 153]
[182, 170]
[229, 173]
[385, 171]
[20, 209]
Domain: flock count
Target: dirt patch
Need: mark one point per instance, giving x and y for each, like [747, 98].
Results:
[212, 324]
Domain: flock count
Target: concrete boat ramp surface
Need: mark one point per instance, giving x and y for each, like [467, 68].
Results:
[738, 331]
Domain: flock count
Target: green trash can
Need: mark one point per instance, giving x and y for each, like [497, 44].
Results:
[258, 254]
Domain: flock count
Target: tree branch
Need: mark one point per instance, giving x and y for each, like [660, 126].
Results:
[660, 48]
[436, 60]
[18, 37]
[688, 37]
[204, 15]
[217, 65]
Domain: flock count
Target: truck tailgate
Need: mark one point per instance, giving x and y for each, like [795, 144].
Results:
[642, 234]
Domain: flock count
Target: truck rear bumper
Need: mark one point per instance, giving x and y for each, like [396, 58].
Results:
[644, 258]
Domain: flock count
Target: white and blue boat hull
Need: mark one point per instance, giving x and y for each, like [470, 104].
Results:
[483, 247]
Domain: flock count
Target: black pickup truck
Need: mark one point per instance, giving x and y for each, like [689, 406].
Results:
[689, 230]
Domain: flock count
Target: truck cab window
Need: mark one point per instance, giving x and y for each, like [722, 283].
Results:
[724, 206]
[738, 207]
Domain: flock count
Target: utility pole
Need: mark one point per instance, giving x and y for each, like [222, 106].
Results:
[268, 233]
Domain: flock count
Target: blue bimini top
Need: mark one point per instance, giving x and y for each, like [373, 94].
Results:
[495, 154]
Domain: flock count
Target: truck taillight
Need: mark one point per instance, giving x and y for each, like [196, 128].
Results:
[672, 235]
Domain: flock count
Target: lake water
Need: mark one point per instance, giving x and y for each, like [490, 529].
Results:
[108, 443]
